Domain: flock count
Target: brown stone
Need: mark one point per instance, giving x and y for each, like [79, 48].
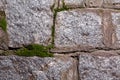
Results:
[115, 15]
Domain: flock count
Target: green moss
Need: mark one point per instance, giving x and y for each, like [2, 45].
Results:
[3, 23]
[61, 9]
[35, 50]
[55, 11]
[54, 19]
[53, 27]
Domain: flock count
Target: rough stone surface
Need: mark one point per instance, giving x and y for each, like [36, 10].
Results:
[79, 28]
[99, 67]
[95, 25]
[74, 3]
[29, 22]
[108, 28]
[2, 6]
[116, 24]
[93, 3]
[3, 40]
[69, 3]
[35, 68]
[115, 4]
[3, 34]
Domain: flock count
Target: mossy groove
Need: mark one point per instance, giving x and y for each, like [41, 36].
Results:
[55, 11]
[34, 50]
[3, 22]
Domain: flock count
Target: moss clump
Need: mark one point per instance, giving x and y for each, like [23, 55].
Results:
[35, 50]
[61, 9]
[3, 23]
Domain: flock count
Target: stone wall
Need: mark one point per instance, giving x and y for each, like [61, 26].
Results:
[82, 24]
[86, 30]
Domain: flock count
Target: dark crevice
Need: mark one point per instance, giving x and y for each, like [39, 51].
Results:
[76, 57]
[69, 52]
[106, 48]
[53, 27]
[11, 48]
[85, 51]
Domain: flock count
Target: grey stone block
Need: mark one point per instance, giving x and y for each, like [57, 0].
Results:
[103, 65]
[35, 68]
[79, 28]
[29, 22]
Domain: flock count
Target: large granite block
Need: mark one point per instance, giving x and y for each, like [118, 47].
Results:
[29, 22]
[100, 65]
[79, 28]
[35, 68]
